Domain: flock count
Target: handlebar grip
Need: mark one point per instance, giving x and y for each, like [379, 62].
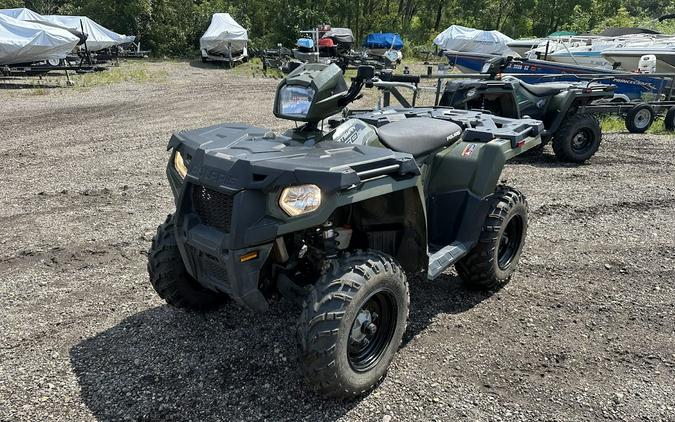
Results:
[410, 79]
[406, 79]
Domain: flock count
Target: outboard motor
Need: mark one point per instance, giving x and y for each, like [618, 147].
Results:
[647, 64]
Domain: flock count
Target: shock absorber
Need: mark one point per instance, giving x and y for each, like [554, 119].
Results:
[329, 242]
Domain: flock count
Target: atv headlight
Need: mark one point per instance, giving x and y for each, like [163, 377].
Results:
[295, 101]
[179, 164]
[296, 200]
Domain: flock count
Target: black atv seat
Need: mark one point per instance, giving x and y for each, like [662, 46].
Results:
[418, 135]
[545, 89]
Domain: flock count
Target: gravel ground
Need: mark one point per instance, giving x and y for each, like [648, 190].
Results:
[585, 330]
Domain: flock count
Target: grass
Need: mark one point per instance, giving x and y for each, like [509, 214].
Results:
[126, 72]
[254, 69]
[616, 124]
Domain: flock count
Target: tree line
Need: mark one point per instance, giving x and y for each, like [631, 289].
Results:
[173, 27]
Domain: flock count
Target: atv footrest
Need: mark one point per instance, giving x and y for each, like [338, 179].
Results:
[444, 258]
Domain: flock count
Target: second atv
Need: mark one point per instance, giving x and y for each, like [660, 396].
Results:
[337, 221]
[575, 134]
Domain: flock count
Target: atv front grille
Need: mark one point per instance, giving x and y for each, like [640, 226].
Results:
[213, 207]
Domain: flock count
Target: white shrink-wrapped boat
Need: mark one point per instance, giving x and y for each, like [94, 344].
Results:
[22, 14]
[224, 40]
[463, 39]
[98, 36]
[28, 42]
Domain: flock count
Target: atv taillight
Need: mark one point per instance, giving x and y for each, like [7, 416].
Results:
[520, 143]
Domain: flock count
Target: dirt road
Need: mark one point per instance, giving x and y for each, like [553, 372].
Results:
[585, 330]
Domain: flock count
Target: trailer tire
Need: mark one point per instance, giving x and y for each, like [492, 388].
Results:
[669, 120]
[169, 277]
[578, 138]
[352, 324]
[491, 263]
[640, 118]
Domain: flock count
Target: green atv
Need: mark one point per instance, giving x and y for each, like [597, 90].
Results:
[575, 134]
[335, 221]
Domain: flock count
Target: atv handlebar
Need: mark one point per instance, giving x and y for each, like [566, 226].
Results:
[366, 76]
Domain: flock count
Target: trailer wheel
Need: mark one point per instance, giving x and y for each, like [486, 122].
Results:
[640, 118]
[577, 139]
[669, 120]
[352, 323]
[169, 277]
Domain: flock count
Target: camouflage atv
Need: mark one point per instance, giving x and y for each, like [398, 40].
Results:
[340, 221]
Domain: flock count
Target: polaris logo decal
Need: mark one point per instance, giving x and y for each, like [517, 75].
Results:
[217, 177]
[468, 150]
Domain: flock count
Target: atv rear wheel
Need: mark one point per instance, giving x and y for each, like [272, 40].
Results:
[669, 120]
[169, 277]
[578, 138]
[493, 260]
[640, 118]
[352, 323]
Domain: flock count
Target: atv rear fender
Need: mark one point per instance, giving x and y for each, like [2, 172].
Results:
[569, 102]
[474, 166]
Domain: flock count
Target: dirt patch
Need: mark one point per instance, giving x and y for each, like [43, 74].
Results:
[585, 330]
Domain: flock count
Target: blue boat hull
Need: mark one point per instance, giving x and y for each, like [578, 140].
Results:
[634, 87]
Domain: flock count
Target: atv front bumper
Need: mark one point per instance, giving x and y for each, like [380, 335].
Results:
[234, 272]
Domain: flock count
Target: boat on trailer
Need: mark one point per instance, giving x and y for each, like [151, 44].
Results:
[628, 86]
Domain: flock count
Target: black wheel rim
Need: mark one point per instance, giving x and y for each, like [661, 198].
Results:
[372, 330]
[509, 242]
[582, 141]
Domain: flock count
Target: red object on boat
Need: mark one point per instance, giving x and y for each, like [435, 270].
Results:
[326, 42]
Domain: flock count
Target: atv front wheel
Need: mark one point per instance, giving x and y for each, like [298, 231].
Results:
[493, 260]
[352, 324]
[578, 138]
[169, 277]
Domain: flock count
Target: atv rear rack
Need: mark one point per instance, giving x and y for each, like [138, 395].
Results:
[477, 126]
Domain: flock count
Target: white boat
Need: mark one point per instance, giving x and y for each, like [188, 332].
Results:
[22, 14]
[28, 42]
[28, 15]
[628, 58]
[224, 40]
[522, 46]
[461, 38]
[589, 52]
[98, 36]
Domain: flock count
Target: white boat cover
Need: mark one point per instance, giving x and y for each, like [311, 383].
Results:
[99, 37]
[22, 14]
[461, 38]
[223, 32]
[27, 42]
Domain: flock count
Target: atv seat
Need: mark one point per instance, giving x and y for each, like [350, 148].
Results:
[418, 135]
[545, 89]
